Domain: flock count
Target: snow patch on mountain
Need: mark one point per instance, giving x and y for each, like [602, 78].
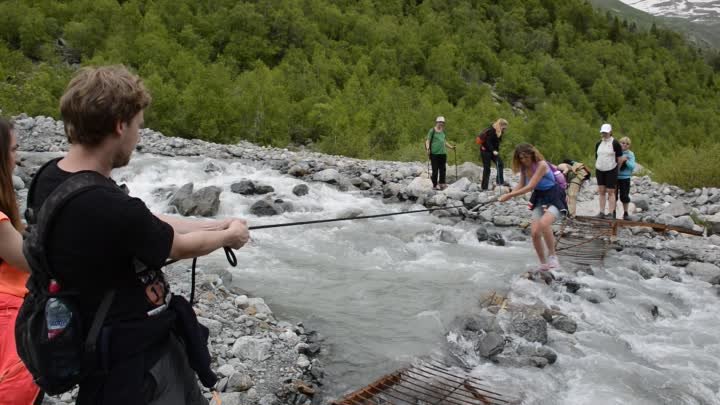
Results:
[705, 11]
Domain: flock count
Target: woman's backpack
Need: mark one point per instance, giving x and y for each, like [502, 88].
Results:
[560, 179]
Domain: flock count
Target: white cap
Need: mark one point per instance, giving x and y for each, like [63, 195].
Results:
[440, 119]
[606, 128]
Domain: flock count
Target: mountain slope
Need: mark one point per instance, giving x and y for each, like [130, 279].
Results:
[698, 20]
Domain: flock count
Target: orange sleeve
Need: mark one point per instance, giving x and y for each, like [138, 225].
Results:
[12, 281]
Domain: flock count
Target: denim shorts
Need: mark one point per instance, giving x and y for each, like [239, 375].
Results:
[540, 210]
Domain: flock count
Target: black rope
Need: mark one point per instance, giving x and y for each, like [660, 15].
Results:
[232, 259]
[229, 254]
[320, 221]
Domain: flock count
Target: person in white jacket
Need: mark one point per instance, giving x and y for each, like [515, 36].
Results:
[607, 153]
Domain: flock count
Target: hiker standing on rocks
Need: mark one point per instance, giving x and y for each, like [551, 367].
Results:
[435, 145]
[103, 240]
[627, 166]
[489, 140]
[548, 198]
[607, 156]
[16, 382]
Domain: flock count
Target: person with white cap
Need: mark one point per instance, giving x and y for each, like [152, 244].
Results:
[435, 145]
[607, 153]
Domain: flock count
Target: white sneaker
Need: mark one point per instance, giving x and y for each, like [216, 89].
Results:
[553, 262]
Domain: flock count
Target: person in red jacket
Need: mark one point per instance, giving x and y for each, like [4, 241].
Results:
[16, 383]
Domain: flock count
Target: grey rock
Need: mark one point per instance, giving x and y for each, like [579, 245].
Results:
[538, 351]
[299, 170]
[244, 187]
[18, 183]
[240, 382]
[330, 176]
[214, 326]
[447, 236]
[495, 238]
[713, 224]
[703, 271]
[252, 348]
[506, 220]
[684, 221]
[482, 234]
[677, 209]
[231, 398]
[182, 199]
[301, 190]
[641, 202]
[207, 201]
[264, 207]
[211, 167]
[259, 305]
[226, 370]
[204, 202]
[564, 324]
[715, 280]
[490, 345]
[263, 189]
[391, 190]
[531, 327]
[591, 296]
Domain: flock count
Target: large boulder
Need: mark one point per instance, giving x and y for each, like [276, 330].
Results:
[266, 207]
[204, 202]
[330, 176]
[713, 224]
[244, 187]
[676, 209]
[532, 328]
[301, 190]
[703, 271]
[641, 202]
[418, 187]
[252, 348]
[470, 171]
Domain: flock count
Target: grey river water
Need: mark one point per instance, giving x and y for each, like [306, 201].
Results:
[382, 292]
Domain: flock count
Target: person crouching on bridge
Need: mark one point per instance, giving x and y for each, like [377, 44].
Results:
[576, 173]
[547, 201]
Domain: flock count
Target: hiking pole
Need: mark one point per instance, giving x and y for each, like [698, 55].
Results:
[455, 153]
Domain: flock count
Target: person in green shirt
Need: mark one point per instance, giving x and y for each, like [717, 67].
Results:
[435, 147]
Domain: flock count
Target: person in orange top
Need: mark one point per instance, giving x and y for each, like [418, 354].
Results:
[16, 383]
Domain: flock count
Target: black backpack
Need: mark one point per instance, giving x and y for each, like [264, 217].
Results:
[58, 361]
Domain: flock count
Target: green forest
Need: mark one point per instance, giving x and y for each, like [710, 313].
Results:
[366, 78]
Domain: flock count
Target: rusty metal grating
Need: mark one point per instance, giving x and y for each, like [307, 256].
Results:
[427, 383]
[584, 241]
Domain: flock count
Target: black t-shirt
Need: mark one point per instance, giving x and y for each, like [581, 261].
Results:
[92, 244]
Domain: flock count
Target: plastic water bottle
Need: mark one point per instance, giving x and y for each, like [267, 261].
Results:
[57, 314]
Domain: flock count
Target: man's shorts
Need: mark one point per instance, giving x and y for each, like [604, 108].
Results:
[607, 178]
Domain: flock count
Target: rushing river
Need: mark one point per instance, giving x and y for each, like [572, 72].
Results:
[382, 292]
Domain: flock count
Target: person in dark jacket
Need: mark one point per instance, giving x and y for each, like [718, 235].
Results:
[490, 152]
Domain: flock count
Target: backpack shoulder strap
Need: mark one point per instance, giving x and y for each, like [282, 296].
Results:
[30, 212]
[35, 242]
